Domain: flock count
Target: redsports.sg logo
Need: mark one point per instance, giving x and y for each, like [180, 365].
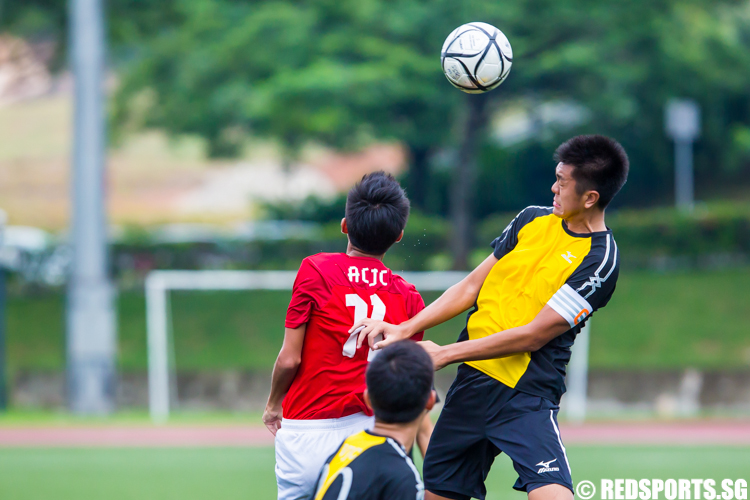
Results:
[667, 489]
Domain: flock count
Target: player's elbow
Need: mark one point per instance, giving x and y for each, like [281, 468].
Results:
[534, 342]
[288, 361]
[465, 293]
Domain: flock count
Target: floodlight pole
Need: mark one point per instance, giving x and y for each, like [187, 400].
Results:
[3, 351]
[90, 314]
[3, 309]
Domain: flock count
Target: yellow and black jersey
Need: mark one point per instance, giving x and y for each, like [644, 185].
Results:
[369, 467]
[541, 262]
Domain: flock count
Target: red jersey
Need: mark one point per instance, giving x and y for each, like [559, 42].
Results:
[331, 293]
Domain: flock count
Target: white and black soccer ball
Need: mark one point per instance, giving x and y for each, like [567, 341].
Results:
[476, 57]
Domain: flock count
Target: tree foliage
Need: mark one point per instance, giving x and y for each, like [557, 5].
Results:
[341, 72]
[344, 73]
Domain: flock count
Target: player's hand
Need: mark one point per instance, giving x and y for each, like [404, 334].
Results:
[272, 419]
[436, 353]
[370, 330]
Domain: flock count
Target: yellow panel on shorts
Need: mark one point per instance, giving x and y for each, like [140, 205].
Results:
[520, 284]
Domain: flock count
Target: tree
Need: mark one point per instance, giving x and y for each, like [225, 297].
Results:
[345, 72]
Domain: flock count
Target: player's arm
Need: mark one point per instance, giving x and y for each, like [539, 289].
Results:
[588, 289]
[455, 300]
[310, 292]
[547, 325]
[451, 303]
[284, 371]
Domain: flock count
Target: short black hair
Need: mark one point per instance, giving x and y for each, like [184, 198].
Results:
[399, 381]
[600, 164]
[376, 212]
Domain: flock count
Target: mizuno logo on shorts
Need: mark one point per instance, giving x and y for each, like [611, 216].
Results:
[546, 466]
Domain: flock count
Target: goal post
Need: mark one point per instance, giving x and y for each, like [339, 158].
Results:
[160, 283]
[574, 406]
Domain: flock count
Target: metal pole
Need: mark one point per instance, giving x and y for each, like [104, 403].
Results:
[3, 309]
[577, 379]
[3, 357]
[158, 359]
[682, 120]
[91, 338]
[683, 175]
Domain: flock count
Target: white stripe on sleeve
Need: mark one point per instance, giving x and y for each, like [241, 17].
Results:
[571, 306]
[400, 451]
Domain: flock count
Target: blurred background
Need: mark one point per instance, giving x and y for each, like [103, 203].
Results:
[232, 131]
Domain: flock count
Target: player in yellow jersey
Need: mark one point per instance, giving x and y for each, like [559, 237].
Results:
[375, 465]
[550, 269]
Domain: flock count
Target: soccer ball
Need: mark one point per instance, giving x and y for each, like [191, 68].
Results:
[476, 57]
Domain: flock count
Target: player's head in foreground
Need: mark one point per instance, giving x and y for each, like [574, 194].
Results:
[376, 213]
[591, 170]
[399, 387]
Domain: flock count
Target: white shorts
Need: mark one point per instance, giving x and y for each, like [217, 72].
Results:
[303, 446]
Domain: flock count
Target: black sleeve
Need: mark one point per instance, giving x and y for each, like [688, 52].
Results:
[508, 240]
[591, 285]
[402, 486]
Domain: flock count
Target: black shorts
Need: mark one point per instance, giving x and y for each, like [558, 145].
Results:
[482, 418]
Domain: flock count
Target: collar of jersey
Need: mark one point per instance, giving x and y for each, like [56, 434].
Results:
[387, 437]
[582, 235]
[367, 258]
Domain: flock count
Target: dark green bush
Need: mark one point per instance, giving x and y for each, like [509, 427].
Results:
[658, 238]
[645, 236]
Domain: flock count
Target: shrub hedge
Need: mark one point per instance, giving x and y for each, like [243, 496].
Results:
[655, 238]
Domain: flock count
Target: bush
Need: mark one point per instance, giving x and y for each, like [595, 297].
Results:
[135, 254]
[657, 238]
[647, 237]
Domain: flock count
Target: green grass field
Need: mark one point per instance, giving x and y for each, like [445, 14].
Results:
[654, 321]
[247, 474]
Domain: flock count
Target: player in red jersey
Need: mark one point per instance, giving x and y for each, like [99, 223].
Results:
[319, 377]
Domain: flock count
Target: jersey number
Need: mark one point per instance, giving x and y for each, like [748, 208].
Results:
[360, 313]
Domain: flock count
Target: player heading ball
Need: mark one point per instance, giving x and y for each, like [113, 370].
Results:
[317, 388]
[376, 464]
[550, 269]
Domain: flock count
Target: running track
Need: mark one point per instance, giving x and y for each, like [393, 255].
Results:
[640, 433]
